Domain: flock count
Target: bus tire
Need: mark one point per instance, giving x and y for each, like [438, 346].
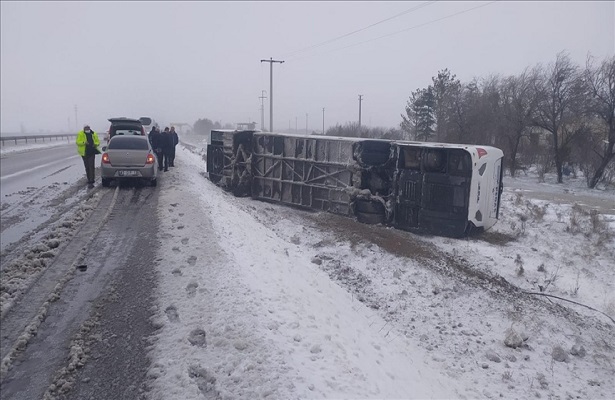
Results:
[370, 219]
[368, 207]
[473, 230]
[215, 178]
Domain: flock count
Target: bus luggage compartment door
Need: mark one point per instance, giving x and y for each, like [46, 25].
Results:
[408, 195]
[444, 204]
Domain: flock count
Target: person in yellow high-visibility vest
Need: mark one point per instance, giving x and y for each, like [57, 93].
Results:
[87, 147]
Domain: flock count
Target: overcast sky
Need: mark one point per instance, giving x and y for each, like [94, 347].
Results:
[181, 61]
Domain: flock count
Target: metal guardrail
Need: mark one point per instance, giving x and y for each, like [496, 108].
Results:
[37, 138]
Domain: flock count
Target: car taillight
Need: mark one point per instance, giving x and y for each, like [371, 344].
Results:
[105, 158]
[150, 159]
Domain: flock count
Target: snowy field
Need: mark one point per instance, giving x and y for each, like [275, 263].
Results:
[261, 301]
[257, 300]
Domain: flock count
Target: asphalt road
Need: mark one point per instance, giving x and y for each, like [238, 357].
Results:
[36, 185]
[103, 307]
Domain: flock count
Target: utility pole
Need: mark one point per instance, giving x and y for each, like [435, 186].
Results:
[296, 129]
[306, 123]
[271, 61]
[360, 98]
[263, 97]
[76, 119]
[323, 120]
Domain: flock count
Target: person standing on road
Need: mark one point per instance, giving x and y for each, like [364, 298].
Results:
[87, 147]
[155, 139]
[168, 145]
[175, 142]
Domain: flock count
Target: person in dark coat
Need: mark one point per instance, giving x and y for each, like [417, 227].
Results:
[155, 139]
[175, 142]
[168, 145]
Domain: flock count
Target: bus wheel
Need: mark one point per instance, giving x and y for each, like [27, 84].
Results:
[473, 230]
[371, 219]
[215, 178]
[368, 207]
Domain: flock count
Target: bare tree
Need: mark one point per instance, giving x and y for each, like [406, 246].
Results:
[445, 89]
[601, 83]
[489, 116]
[462, 102]
[561, 93]
[518, 107]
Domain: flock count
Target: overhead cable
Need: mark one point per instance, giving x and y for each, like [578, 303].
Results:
[401, 31]
[290, 55]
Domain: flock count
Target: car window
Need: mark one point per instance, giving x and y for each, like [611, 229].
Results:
[131, 131]
[128, 143]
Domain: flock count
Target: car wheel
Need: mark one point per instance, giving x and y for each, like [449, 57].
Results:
[153, 182]
[105, 182]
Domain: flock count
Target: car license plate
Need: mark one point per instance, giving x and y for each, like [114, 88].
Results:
[127, 173]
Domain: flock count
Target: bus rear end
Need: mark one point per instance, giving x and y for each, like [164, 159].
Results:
[446, 189]
[486, 190]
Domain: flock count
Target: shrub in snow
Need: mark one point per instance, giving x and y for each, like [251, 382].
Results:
[578, 350]
[559, 354]
[198, 338]
[519, 263]
[513, 338]
[492, 356]
[542, 380]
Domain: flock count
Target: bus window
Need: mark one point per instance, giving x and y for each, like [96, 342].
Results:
[435, 160]
[411, 158]
[459, 163]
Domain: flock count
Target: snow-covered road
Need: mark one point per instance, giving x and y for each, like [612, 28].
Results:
[37, 181]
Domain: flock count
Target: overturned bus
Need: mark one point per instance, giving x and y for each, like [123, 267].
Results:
[437, 188]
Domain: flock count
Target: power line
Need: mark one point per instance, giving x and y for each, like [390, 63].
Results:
[290, 55]
[404, 30]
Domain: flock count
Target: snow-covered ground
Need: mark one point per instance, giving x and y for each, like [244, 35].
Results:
[258, 300]
[261, 301]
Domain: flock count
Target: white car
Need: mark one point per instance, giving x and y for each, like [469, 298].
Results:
[128, 157]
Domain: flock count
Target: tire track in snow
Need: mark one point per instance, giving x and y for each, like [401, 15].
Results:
[15, 339]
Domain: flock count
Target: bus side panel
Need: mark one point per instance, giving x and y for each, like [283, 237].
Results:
[496, 190]
[219, 155]
[215, 161]
[228, 160]
[305, 172]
